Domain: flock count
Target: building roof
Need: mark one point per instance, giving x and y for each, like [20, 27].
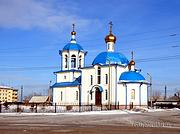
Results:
[131, 76]
[114, 58]
[39, 99]
[72, 70]
[8, 88]
[73, 46]
[68, 84]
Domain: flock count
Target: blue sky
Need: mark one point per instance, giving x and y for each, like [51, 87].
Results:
[33, 31]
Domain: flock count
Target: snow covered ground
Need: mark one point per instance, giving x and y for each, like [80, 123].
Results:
[110, 112]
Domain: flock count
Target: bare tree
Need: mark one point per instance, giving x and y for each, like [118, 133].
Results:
[156, 95]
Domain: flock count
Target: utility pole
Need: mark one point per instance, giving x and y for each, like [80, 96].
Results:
[22, 93]
[165, 92]
[150, 88]
[109, 98]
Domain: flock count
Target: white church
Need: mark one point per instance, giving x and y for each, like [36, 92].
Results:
[111, 79]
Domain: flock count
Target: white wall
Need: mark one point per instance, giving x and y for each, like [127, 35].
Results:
[69, 95]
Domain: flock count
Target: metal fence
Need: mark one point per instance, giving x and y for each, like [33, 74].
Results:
[58, 108]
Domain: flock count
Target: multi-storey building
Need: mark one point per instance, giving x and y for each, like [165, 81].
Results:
[8, 94]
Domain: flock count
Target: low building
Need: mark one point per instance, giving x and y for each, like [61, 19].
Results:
[40, 100]
[8, 94]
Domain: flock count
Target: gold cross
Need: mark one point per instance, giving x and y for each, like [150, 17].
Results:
[73, 25]
[132, 55]
[110, 26]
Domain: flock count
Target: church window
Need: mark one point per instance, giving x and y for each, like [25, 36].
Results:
[73, 61]
[106, 94]
[66, 60]
[133, 94]
[106, 78]
[108, 46]
[80, 60]
[91, 80]
[91, 95]
[76, 95]
[61, 95]
[99, 75]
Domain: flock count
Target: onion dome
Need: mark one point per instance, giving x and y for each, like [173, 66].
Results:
[131, 76]
[110, 37]
[114, 58]
[73, 44]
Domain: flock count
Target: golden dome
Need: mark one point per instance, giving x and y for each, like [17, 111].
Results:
[132, 62]
[110, 37]
[73, 33]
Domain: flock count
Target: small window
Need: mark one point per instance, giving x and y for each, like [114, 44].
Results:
[91, 80]
[99, 75]
[80, 62]
[106, 94]
[133, 94]
[73, 61]
[77, 95]
[106, 78]
[66, 61]
[64, 76]
[61, 95]
[91, 95]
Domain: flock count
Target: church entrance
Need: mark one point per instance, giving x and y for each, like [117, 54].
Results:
[98, 96]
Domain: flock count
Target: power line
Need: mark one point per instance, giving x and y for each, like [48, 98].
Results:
[167, 58]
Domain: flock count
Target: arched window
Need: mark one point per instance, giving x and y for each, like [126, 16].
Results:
[73, 61]
[106, 94]
[106, 78]
[99, 75]
[133, 94]
[80, 60]
[66, 61]
[91, 80]
[76, 95]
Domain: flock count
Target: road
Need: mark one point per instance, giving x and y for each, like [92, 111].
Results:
[166, 122]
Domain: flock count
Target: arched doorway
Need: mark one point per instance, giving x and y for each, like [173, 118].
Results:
[98, 96]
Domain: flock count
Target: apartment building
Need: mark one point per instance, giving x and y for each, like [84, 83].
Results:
[8, 94]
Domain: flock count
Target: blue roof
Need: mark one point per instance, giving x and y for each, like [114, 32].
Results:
[73, 46]
[72, 70]
[131, 76]
[68, 84]
[115, 58]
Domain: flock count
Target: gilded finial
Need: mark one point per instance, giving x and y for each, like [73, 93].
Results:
[110, 37]
[132, 62]
[110, 27]
[73, 32]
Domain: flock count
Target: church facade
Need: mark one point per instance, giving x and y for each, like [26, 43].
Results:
[111, 79]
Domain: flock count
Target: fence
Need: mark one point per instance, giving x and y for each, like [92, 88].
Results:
[56, 108]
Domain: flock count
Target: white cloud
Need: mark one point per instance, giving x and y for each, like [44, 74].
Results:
[27, 14]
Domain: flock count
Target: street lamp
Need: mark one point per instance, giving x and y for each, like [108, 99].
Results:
[150, 87]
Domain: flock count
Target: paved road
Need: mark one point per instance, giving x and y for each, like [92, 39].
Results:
[167, 122]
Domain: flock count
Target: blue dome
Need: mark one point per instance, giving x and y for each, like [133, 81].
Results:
[131, 76]
[72, 46]
[115, 58]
